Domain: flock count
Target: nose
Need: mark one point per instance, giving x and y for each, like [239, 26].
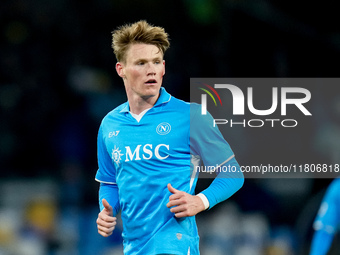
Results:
[151, 70]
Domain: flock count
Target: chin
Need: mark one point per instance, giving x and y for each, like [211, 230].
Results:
[149, 93]
[152, 90]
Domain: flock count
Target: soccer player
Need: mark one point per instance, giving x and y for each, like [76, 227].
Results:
[327, 221]
[149, 150]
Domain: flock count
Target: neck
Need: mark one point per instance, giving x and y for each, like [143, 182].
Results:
[138, 104]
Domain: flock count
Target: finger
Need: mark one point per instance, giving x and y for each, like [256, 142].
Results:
[106, 223]
[107, 218]
[106, 230]
[182, 214]
[178, 209]
[172, 189]
[106, 205]
[174, 203]
[175, 196]
[104, 234]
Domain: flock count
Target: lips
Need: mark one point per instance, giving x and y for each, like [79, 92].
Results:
[151, 81]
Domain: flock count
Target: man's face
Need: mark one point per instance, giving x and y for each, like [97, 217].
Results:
[142, 71]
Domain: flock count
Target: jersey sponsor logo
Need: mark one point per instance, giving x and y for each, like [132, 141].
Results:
[145, 152]
[163, 128]
[116, 155]
[113, 133]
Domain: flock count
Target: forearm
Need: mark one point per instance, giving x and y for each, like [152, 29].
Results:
[225, 184]
[110, 193]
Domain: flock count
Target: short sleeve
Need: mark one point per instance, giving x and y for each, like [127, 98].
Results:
[106, 171]
[206, 139]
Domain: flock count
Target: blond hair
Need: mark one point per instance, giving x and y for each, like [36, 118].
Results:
[139, 32]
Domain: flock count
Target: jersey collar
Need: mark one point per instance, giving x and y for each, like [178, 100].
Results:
[164, 97]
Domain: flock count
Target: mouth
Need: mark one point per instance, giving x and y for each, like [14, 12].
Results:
[151, 82]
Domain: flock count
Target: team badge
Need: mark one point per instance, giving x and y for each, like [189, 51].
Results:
[163, 128]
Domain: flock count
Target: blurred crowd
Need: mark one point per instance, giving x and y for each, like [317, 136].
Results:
[57, 81]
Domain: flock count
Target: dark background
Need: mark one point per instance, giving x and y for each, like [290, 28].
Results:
[58, 80]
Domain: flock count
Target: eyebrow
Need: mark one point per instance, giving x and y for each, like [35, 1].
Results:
[146, 60]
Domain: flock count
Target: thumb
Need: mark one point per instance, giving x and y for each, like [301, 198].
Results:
[107, 206]
[172, 189]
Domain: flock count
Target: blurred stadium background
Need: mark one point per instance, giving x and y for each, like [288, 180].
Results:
[57, 81]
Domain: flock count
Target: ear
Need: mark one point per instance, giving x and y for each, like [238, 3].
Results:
[163, 67]
[120, 69]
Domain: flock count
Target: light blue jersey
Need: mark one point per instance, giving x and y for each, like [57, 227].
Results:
[327, 221]
[139, 159]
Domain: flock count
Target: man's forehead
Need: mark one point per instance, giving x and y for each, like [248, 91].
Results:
[141, 50]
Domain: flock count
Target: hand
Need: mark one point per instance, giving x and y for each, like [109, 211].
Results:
[106, 223]
[184, 204]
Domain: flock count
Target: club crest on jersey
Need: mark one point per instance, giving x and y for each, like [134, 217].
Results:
[116, 155]
[163, 128]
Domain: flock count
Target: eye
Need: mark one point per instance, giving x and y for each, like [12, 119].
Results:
[140, 63]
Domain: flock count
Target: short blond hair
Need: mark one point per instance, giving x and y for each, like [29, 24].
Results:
[139, 32]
